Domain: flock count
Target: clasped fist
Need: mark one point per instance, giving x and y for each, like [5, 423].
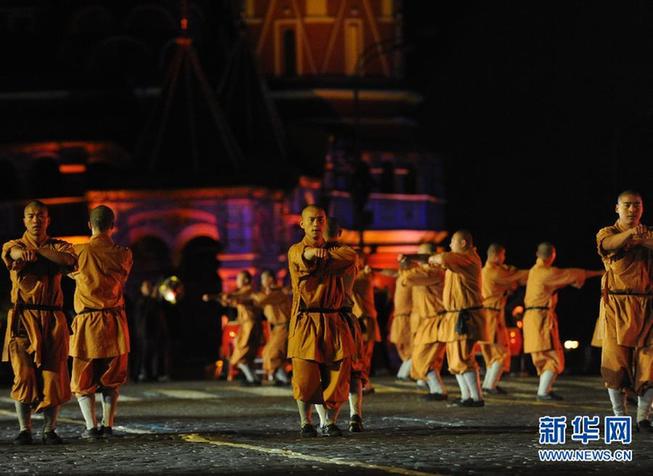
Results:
[312, 253]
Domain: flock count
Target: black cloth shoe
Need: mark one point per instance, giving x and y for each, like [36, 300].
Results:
[460, 402]
[23, 438]
[468, 403]
[644, 426]
[355, 424]
[435, 397]
[474, 403]
[495, 391]
[92, 434]
[549, 396]
[308, 431]
[331, 430]
[106, 431]
[51, 438]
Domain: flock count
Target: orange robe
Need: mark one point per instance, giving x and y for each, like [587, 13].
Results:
[626, 315]
[365, 312]
[498, 282]
[541, 337]
[427, 351]
[400, 334]
[464, 322]
[320, 340]
[276, 309]
[359, 368]
[100, 339]
[36, 341]
[249, 334]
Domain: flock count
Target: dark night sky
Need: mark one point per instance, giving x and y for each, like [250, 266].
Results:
[543, 115]
[541, 111]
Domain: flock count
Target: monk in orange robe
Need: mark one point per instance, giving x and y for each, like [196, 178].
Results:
[99, 344]
[429, 351]
[365, 312]
[626, 249]
[275, 303]
[36, 339]
[320, 341]
[400, 334]
[541, 337]
[249, 334]
[499, 280]
[359, 371]
[464, 322]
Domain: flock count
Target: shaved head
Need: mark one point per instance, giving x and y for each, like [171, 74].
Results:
[465, 235]
[36, 218]
[426, 248]
[630, 208]
[332, 229]
[495, 248]
[310, 209]
[313, 222]
[37, 205]
[102, 218]
[461, 241]
[628, 193]
[545, 250]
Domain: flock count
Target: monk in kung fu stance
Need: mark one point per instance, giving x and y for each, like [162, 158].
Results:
[541, 337]
[400, 334]
[464, 322]
[249, 334]
[36, 339]
[275, 303]
[626, 312]
[99, 344]
[428, 351]
[499, 280]
[320, 342]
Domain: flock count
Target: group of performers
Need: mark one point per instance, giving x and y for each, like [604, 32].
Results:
[37, 341]
[446, 304]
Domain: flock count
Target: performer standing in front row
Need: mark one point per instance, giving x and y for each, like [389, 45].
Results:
[99, 344]
[626, 322]
[36, 339]
[319, 340]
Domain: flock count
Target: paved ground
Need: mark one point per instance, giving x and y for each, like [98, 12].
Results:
[219, 427]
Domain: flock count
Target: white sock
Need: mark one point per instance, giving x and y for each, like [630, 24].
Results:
[404, 370]
[323, 414]
[87, 406]
[281, 376]
[618, 400]
[644, 405]
[420, 383]
[109, 404]
[464, 390]
[356, 398]
[493, 375]
[249, 375]
[24, 414]
[434, 381]
[473, 384]
[546, 382]
[50, 418]
[304, 412]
